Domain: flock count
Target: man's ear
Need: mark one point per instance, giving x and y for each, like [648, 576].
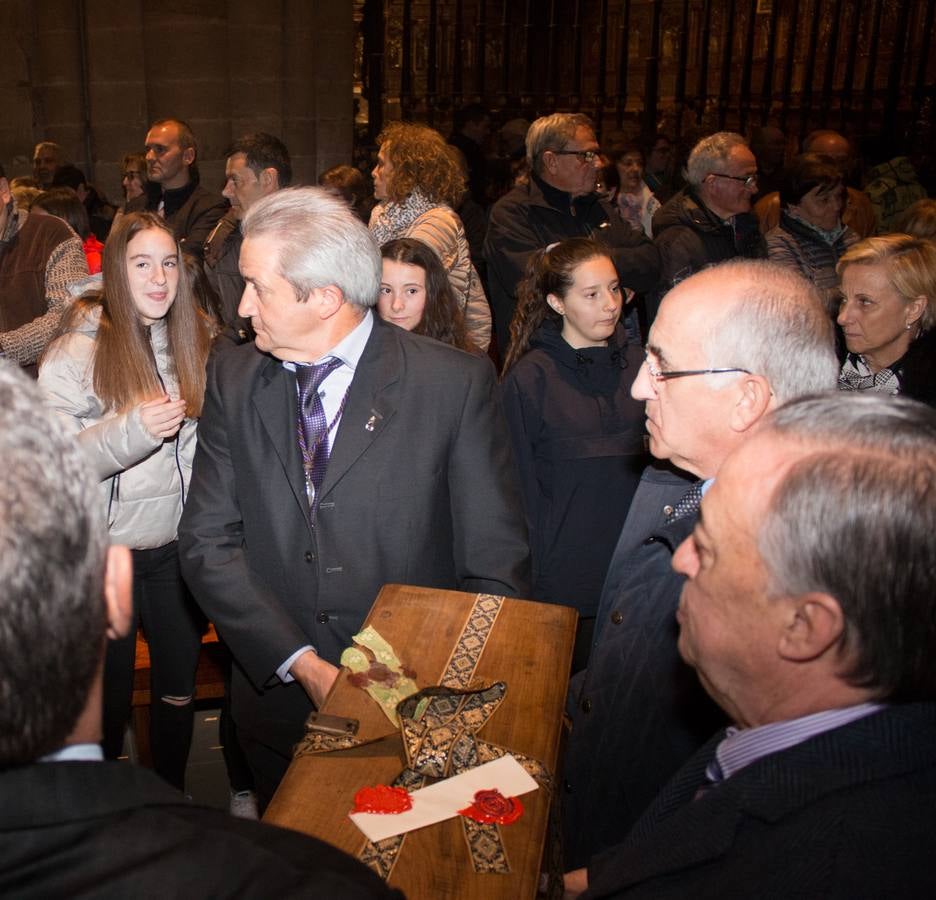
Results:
[269, 180]
[550, 161]
[329, 300]
[188, 155]
[118, 591]
[815, 626]
[5, 195]
[754, 399]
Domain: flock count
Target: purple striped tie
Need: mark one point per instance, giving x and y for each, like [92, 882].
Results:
[313, 427]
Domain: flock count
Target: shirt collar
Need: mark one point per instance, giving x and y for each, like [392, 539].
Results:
[350, 348]
[743, 746]
[76, 753]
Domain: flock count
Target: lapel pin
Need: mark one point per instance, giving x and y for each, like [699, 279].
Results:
[371, 424]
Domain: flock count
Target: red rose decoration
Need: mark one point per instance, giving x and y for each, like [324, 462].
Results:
[493, 808]
[382, 798]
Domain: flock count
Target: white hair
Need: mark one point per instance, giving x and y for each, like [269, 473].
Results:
[854, 518]
[776, 327]
[321, 242]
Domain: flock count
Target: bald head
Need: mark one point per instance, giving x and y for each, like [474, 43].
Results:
[829, 143]
[761, 322]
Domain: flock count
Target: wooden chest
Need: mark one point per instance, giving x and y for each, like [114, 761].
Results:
[435, 633]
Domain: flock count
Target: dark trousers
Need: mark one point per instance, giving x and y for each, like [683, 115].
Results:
[173, 628]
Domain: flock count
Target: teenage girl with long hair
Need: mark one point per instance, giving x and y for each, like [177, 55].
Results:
[577, 433]
[127, 375]
[416, 295]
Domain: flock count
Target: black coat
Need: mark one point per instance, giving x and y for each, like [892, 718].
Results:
[192, 211]
[578, 439]
[533, 216]
[113, 830]
[638, 711]
[916, 371]
[847, 815]
[689, 237]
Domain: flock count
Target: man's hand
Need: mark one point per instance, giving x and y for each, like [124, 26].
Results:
[315, 675]
[162, 417]
[574, 883]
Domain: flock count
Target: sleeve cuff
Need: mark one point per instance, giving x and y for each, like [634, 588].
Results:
[283, 671]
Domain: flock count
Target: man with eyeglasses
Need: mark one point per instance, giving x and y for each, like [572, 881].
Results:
[559, 202]
[710, 220]
[729, 344]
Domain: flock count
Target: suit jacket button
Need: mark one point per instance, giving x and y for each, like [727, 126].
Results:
[308, 556]
[586, 705]
[616, 617]
[322, 618]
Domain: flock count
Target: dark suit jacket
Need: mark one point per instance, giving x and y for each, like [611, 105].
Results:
[848, 814]
[638, 711]
[420, 489]
[113, 830]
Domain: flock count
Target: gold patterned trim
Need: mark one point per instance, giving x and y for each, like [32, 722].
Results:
[461, 665]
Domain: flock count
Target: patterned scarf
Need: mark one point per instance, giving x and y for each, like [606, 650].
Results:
[390, 220]
[830, 237]
[856, 375]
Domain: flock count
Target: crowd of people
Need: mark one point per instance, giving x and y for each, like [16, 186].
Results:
[694, 406]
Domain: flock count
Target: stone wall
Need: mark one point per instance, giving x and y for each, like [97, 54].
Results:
[92, 74]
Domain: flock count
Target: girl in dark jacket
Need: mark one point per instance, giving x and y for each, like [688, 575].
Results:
[578, 436]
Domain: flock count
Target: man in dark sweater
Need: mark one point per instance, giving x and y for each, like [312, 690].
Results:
[173, 190]
[559, 201]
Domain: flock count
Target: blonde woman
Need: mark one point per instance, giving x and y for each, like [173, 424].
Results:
[887, 314]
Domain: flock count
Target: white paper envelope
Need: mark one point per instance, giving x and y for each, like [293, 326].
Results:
[444, 799]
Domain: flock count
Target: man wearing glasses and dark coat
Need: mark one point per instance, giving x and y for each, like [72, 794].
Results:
[710, 220]
[559, 201]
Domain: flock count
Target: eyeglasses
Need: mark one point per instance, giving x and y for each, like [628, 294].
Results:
[686, 373]
[748, 181]
[584, 156]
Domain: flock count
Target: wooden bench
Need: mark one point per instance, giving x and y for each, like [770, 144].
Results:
[209, 685]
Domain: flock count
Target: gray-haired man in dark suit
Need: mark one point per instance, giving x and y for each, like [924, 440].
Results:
[336, 454]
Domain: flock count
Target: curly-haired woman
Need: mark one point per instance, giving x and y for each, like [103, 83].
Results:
[418, 181]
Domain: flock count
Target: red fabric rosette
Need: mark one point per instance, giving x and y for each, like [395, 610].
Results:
[491, 807]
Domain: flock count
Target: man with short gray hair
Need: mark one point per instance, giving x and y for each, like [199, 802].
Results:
[808, 615]
[559, 202]
[710, 220]
[729, 345]
[336, 453]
